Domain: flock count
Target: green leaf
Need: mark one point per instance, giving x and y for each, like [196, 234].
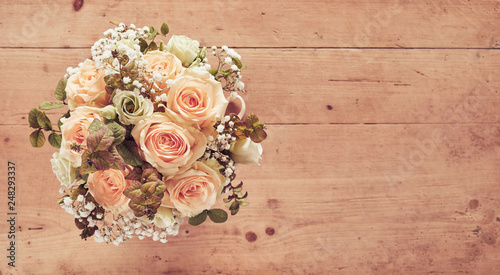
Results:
[153, 46]
[102, 160]
[84, 177]
[135, 174]
[254, 120]
[55, 140]
[217, 215]
[96, 125]
[114, 22]
[226, 200]
[233, 212]
[162, 46]
[128, 151]
[153, 202]
[32, 118]
[237, 62]
[164, 28]
[235, 205]
[43, 121]
[118, 132]
[239, 185]
[118, 162]
[225, 72]
[258, 135]
[60, 92]
[139, 213]
[213, 71]
[152, 32]
[153, 188]
[61, 200]
[160, 189]
[149, 188]
[99, 140]
[93, 161]
[134, 190]
[137, 204]
[47, 105]
[37, 138]
[198, 219]
[202, 53]
[143, 44]
[78, 191]
[149, 173]
[87, 165]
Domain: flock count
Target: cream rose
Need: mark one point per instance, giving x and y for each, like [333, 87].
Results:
[195, 96]
[108, 112]
[246, 151]
[185, 48]
[163, 64]
[167, 144]
[87, 87]
[107, 186]
[193, 191]
[132, 107]
[164, 217]
[63, 170]
[74, 132]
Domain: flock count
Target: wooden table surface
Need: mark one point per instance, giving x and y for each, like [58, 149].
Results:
[384, 137]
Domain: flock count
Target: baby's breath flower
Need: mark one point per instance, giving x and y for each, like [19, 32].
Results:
[80, 198]
[220, 128]
[68, 201]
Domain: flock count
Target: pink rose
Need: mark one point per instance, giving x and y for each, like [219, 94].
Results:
[74, 132]
[195, 96]
[107, 187]
[193, 191]
[167, 144]
[87, 87]
[163, 63]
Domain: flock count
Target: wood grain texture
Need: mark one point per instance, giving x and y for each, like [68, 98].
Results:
[355, 210]
[285, 86]
[383, 147]
[282, 23]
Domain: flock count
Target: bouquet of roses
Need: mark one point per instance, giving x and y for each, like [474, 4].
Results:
[147, 139]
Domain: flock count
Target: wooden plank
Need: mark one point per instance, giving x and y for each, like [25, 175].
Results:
[283, 23]
[311, 86]
[342, 199]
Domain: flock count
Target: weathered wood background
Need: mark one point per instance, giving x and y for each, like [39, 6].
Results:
[384, 137]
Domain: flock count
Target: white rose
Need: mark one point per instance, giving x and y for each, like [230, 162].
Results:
[108, 112]
[164, 217]
[184, 48]
[246, 151]
[63, 169]
[132, 107]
